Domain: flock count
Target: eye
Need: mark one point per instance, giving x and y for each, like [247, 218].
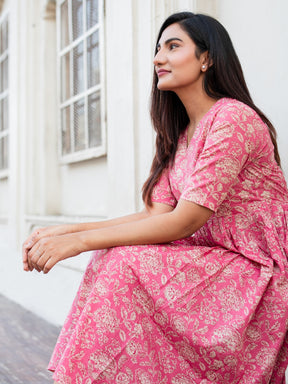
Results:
[173, 46]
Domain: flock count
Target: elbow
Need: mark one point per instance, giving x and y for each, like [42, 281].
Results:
[185, 232]
[182, 230]
[186, 223]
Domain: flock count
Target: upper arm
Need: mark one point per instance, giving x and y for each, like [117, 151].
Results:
[189, 217]
[186, 218]
[158, 208]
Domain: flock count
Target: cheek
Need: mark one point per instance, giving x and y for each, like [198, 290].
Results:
[186, 59]
[188, 63]
[187, 73]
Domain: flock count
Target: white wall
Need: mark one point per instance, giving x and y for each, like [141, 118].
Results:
[259, 32]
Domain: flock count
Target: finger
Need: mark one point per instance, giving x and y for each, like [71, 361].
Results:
[36, 266]
[25, 260]
[30, 264]
[42, 260]
[25, 249]
[49, 265]
[51, 261]
[32, 239]
[33, 256]
[27, 245]
[26, 266]
[33, 265]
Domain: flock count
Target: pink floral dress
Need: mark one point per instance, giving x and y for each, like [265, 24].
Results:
[211, 308]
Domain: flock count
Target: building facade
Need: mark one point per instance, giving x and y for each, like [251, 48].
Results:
[76, 141]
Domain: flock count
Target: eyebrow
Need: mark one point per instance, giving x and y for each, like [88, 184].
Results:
[169, 41]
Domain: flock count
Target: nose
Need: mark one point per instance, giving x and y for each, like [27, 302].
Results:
[159, 58]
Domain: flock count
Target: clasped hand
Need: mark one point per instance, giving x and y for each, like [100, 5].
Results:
[47, 246]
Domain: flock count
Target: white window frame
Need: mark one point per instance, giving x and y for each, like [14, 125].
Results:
[4, 173]
[88, 153]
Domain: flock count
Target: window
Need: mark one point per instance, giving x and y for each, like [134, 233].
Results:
[4, 107]
[80, 47]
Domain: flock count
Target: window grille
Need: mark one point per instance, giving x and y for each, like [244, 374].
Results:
[81, 73]
[4, 95]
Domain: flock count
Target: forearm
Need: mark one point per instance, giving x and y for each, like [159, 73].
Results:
[162, 228]
[49, 251]
[80, 227]
[165, 227]
[161, 225]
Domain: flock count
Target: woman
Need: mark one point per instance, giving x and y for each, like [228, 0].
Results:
[193, 289]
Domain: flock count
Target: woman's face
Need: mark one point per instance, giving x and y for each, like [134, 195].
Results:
[175, 63]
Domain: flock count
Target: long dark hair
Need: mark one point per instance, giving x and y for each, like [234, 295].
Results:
[224, 78]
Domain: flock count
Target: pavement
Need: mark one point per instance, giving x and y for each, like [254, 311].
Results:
[26, 344]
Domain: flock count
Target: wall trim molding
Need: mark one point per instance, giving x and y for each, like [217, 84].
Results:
[34, 221]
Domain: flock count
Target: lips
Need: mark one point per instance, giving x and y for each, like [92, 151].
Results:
[162, 72]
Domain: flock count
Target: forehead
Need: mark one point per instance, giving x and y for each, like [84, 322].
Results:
[174, 30]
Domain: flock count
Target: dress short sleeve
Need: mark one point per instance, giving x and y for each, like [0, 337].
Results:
[225, 148]
[162, 192]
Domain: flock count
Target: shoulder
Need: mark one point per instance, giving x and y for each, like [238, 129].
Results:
[238, 117]
[234, 110]
[236, 122]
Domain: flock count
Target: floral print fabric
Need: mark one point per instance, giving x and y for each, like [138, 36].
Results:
[211, 308]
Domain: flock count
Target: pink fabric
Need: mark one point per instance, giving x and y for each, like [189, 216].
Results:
[211, 308]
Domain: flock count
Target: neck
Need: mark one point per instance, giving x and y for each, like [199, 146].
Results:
[197, 104]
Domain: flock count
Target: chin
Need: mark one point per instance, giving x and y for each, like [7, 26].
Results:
[163, 87]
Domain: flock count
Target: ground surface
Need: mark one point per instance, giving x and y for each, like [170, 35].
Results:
[26, 343]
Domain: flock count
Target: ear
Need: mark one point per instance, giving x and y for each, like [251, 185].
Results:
[206, 62]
